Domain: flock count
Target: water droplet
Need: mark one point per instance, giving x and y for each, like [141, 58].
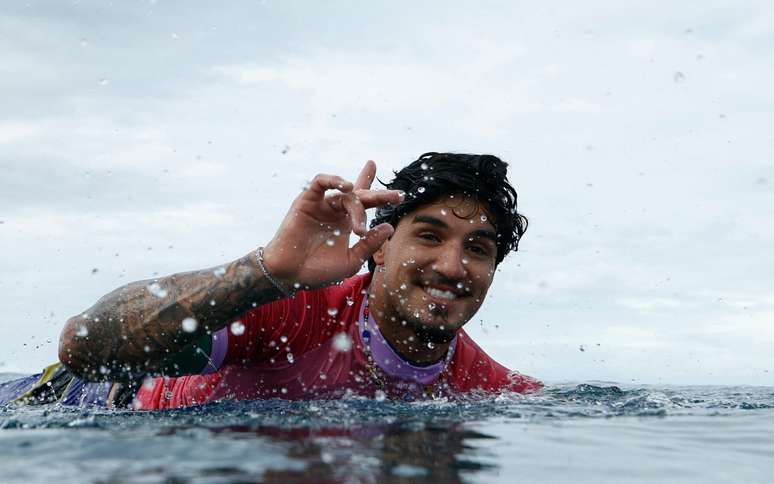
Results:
[423, 166]
[82, 332]
[431, 345]
[403, 287]
[421, 189]
[330, 242]
[465, 261]
[342, 342]
[156, 289]
[333, 311]
[284, 390]
[483, 218]
[189, 325]
[212, 302]
[380, 396]
[460, 285]
[297, 285]
[237, 328]
[284, 339]
[149, 383]
[337, 232]
[431, 306]
[290, 358]
[443, 211]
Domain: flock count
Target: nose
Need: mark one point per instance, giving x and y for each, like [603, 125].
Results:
[449, 262]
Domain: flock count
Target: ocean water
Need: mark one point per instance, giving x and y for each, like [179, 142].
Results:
[574, 433]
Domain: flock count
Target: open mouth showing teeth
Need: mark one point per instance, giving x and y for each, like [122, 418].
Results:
[440, 294]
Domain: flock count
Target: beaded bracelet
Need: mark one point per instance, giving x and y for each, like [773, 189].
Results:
[272, 279]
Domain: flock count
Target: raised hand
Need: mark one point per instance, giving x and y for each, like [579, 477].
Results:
[311, 248]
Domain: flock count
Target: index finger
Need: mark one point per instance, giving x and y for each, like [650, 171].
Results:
[366, 176]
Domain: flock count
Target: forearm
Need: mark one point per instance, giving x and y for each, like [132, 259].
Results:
[132, 330]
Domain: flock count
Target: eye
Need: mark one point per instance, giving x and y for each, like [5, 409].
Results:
[478, 250]
[429, 236]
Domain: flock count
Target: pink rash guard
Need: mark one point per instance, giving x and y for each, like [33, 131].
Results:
[313, 347]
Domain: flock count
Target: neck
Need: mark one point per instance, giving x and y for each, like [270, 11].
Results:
[404, 339]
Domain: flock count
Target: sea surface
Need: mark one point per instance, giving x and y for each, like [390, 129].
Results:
[574, 433]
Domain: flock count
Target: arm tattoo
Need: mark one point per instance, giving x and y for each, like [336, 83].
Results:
[132, 330]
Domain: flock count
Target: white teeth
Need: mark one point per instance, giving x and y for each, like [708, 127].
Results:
[440, 294]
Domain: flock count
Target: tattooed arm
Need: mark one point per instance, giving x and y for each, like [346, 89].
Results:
[136, 328]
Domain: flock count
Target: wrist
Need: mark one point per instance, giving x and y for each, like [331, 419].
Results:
[276, 278]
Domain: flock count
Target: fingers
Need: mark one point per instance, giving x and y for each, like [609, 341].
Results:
[321, 183]
[377, 198]
[370, 243]
[367, 175]
[356, 211]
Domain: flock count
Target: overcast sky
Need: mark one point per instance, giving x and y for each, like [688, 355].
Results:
[142, 138]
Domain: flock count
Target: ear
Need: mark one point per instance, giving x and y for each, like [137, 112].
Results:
[379, 255]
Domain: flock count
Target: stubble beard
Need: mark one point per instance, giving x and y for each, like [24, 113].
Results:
[435, 334]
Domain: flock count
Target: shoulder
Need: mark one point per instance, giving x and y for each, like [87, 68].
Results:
[315, 303]
[473, 369]
[350, 287]
[342, 301]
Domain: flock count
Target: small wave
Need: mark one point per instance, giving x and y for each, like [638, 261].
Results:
[559, 402]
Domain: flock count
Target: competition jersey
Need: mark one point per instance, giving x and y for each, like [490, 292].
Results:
[313, 346]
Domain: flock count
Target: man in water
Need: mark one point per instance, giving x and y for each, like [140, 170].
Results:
[293, 320]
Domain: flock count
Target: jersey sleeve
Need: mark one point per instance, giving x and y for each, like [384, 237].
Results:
[293, 326]
[474, 370]
[271, 332]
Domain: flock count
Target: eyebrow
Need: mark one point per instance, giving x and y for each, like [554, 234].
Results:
[436, 222]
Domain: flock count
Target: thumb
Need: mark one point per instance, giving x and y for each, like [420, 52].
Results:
[369, 244]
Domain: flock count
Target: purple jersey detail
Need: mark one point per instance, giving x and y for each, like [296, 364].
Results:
[390, 361]
[218, 353]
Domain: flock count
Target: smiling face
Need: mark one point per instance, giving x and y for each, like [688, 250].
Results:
[435, 270]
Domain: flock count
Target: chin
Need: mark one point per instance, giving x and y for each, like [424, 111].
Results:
[434, 334]
[434, 327]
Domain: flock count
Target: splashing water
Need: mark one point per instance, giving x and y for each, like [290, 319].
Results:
[567, 433]
[237, 328]
[189, 325]
[156, 289]
[342, 342]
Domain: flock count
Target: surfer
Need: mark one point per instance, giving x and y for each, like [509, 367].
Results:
[293, 319]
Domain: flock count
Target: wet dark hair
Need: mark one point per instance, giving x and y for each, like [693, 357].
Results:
[481, 177]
